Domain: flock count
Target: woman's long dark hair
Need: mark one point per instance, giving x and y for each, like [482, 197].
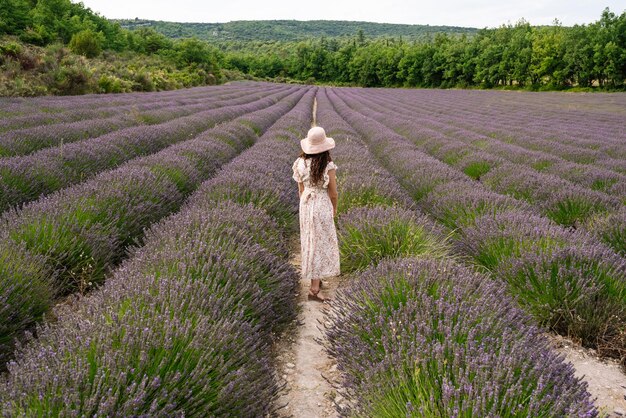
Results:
[318, 165]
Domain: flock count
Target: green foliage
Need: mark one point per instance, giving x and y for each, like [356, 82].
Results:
[14, 16]
[87, 43]
[288, 30]
[477, 169]
[365, 242]
[611, 229]
[574, 210]
[575, 291]
[365, 196]
[511, 56]
[27, 70]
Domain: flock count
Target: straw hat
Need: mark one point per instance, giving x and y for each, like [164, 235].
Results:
[316, 141]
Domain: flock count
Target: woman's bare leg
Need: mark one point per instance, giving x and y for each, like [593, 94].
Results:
[315, 290]
[315, 285]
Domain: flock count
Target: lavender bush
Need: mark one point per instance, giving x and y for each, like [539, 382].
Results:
[457, 204]
[577, 290]
[493, 239]
[370, 235]
[416, 337]
[611, 230]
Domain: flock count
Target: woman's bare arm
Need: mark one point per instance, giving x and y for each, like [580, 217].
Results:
[300, 189]
[332, 189]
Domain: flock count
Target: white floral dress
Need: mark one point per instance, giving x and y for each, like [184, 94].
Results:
[318, 236]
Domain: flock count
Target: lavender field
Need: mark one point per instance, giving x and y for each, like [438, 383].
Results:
[145, 267]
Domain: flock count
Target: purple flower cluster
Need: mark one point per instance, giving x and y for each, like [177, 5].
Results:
[183, 327]
[75, 235]
[418, 337]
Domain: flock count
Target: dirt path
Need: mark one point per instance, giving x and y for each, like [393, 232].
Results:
[605, 378]
[304, 365]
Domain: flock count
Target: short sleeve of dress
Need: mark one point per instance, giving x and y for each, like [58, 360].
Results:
[296, 172]
[330, 166]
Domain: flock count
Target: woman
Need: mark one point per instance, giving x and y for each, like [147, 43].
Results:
[314, 171]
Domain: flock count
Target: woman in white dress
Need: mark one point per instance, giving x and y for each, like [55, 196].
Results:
[314, 171]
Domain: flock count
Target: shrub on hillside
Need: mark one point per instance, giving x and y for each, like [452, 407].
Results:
[87, 43]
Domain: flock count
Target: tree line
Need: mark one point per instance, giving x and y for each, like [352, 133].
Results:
[519, 55]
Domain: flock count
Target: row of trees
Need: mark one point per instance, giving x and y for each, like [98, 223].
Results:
[550, 57]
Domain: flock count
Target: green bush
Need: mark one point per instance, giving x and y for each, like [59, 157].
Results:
[113, 84]
[579, 291]
[87, 43]
[476, 169]
[72, 77]
[368, 235]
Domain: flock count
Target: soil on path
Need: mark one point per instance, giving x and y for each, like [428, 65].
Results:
[605, 379]
[304, 366]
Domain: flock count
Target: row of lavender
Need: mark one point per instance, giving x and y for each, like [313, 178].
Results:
[565, 202]
[183, 328]
[50, 109]
[23, 179]
[593, 132]
[417, 334]
[477, 153]
[95, 122]
[66, 242]
[76, 109]
[567, 279]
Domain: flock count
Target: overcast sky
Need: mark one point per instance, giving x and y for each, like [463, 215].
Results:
[477, 13]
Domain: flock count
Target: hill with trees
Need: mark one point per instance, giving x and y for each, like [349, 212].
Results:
[510, 56]
[291, 30]
[60, 47]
